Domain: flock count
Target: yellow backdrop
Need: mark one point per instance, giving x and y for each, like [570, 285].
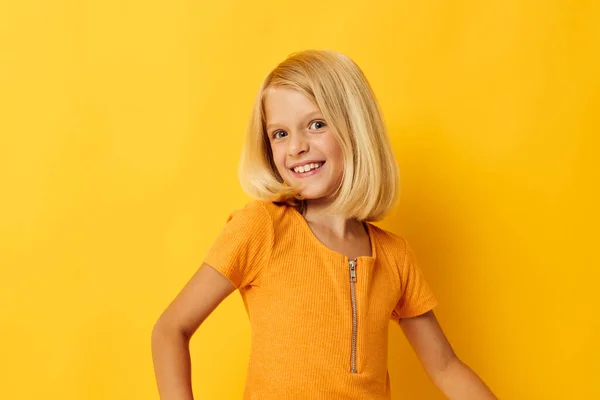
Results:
[121, 126]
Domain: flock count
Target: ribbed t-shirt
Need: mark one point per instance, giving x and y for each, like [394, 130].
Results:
[319, 320]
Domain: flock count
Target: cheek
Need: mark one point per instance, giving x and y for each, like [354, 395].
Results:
[335, 156]
[278, 159]
[334, 151]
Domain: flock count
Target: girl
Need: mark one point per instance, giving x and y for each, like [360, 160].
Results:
[319, 281]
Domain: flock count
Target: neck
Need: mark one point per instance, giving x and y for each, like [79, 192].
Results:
[336, 223]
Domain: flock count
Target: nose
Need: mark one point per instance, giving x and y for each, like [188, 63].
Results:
[297, 144]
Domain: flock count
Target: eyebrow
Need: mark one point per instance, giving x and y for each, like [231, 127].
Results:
[307, 116]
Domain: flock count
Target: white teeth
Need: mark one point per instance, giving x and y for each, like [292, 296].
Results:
[307, 167]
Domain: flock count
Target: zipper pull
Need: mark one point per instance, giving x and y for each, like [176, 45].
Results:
[353, 270]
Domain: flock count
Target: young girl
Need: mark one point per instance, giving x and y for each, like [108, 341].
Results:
[319, 281]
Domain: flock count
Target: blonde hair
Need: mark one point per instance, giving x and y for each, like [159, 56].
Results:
[334, 82]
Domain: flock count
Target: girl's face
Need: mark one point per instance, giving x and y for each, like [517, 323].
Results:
[305, 151]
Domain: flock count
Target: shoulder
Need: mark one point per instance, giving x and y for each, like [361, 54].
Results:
[392, 246]
[252, 210]
[268, 209]
[263, 208]
[261, 213]
[389, 241]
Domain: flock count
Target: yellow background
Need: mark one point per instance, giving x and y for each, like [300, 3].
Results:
[121, 124]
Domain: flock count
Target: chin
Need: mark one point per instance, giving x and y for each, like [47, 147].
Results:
[314, 194]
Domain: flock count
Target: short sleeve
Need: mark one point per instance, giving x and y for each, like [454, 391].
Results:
[417, 297]
[244, 245]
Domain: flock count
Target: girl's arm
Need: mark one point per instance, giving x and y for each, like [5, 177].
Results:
[175, 327]
[454, 378]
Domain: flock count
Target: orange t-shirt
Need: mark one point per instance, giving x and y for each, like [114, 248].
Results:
[319, 321]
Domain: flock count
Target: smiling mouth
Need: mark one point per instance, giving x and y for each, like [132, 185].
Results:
[303, 169]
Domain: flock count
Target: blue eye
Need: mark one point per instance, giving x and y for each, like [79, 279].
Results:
[279, 134]
[318, 125]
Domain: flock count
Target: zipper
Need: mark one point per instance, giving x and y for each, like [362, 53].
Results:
[352, 264]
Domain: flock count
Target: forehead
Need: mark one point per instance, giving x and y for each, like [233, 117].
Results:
[282, 103]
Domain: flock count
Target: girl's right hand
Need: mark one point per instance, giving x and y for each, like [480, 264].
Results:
[175, 327]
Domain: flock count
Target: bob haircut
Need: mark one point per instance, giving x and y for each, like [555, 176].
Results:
[336, 85]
